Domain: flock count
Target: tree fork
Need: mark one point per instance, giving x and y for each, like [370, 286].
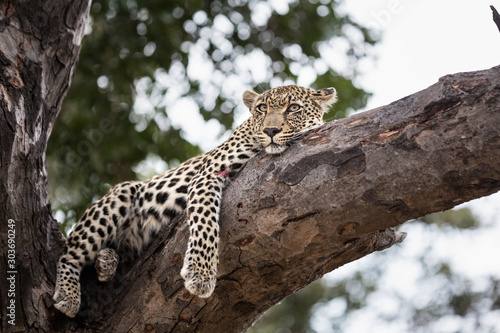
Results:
[331, 198]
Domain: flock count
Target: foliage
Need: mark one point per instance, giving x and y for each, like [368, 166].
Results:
[460, 218]
[139, 59]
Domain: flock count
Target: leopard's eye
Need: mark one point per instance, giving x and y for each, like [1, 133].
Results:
[293, 108]
[261, 107]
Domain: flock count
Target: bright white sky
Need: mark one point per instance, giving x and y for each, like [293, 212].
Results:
[424, 40]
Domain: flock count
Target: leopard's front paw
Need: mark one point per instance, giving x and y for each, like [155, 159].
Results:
[198, 283]
[67, 303]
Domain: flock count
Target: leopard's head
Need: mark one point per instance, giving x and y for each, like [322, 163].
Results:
[281, 114]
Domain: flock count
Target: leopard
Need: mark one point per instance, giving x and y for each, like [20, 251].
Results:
[124, 221]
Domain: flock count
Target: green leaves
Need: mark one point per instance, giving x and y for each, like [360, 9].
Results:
[139, 59]
[457, 218]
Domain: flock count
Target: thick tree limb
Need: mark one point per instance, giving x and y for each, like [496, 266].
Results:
[328, 200]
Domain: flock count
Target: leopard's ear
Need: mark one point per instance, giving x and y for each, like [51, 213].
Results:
[249, 97]
[325, 97]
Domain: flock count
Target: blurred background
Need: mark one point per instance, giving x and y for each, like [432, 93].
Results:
[161, 81]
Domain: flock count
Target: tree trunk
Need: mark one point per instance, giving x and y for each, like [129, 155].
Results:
[39, 46]
[287, 220]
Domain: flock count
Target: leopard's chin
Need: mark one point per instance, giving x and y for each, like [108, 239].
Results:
[274, 149]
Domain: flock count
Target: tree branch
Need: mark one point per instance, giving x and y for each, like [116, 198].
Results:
[329, 199]
[496, 17]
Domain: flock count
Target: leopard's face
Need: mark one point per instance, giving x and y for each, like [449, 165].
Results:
[281, 114]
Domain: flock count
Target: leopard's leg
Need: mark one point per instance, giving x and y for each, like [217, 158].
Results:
[67, 291]
[97, 228]
[202, 258]
[106, 263]
[83, 246]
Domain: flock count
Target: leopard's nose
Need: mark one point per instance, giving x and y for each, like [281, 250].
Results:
[271, 131]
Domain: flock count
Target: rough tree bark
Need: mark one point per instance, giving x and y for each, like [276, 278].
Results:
[330, 199]
[39, 46]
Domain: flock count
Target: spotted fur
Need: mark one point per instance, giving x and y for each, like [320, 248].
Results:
[125, 219]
